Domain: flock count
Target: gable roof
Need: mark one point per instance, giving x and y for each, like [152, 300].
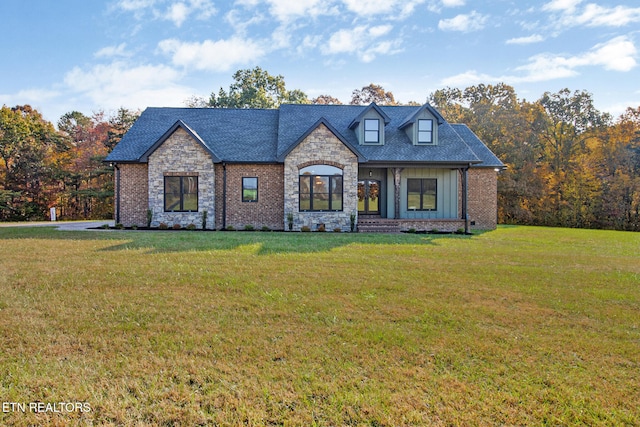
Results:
[371, 106]
[322, 121]
[267, 136]
[234, 135]
[178, 125]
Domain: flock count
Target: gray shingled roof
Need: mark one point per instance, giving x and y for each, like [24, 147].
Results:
[233, 135]
[253, 135]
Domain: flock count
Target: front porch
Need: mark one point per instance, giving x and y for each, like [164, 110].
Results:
[420, 198]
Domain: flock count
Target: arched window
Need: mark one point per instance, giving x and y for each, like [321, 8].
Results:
[320, 188]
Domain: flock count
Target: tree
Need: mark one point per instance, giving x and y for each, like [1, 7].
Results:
[28, 146]
[256, 89]
[119, 124]
[326, 100]
[372, 93]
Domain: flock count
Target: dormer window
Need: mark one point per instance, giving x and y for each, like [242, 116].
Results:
[425, 131]
[371, 131]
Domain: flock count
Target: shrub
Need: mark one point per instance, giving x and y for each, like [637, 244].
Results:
[434, 230]
[337, 230]
[411, 230]
[460, 231]
[191, 226]
[163, 226]
[265, 228]
[204, 220]
[290, 220]
[230, 228]
[305, 229]
[134, 227]
[249, 227]
[149, 217]
[176, 226]
[322, 228]
[119, 226]
[105, 226]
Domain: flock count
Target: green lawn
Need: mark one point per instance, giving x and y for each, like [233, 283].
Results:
[519, 326]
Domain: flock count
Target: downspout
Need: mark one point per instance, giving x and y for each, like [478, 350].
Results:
[465, 198]
[117, 169]
[224, 195]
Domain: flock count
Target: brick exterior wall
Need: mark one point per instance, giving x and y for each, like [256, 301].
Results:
[180, 154]
[483, 198]
[268, 211]
[134, 198]
[321, 147]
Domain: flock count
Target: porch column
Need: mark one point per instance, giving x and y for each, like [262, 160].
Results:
[396, 191]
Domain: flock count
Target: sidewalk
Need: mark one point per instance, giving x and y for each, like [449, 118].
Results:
[61, 225]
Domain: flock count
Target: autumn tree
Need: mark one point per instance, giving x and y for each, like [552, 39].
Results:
[372, 93]
[326, 100]
[28, 145]
[256, 88]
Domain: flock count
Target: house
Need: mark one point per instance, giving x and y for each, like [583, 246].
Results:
[389, 167]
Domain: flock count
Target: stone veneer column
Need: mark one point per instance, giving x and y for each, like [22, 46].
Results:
[181, 154]
[321, 147]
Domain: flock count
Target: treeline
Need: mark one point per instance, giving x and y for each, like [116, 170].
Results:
[43, 167]
[568, 164]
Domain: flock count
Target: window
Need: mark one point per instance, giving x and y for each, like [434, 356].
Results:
[320, 188]
[249, 189]
[425, 131]
[422, 194]
[371, 131]
[180, 193]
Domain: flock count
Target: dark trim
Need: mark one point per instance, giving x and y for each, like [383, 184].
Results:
[330, 193]
[224, 195]
[182, 193]
[242, 189]
[117, 218]
[422, 209]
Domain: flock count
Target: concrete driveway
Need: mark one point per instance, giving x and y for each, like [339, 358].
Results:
[61, 225]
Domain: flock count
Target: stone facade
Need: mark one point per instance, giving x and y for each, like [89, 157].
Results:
[320, 147]
[483, 198]
[131, 207]
[179, 155]
[268, 211]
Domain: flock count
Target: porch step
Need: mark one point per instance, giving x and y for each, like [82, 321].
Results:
[378, 226]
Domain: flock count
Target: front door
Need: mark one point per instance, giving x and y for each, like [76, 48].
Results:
[369, 197]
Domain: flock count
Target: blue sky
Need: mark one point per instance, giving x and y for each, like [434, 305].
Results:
[61, 56]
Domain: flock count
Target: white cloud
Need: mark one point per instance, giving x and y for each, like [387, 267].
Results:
[473, 21]
[289, 10]
[598, 16]
[176, 12]
[453, 3]
[618, 54]
[398, 8]
[220, 55]
[111, 51]
[362, 41]
[591, 15]
[561, 5]
[534, 38]
[119, 84]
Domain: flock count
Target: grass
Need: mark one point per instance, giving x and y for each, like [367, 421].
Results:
[519, 326]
